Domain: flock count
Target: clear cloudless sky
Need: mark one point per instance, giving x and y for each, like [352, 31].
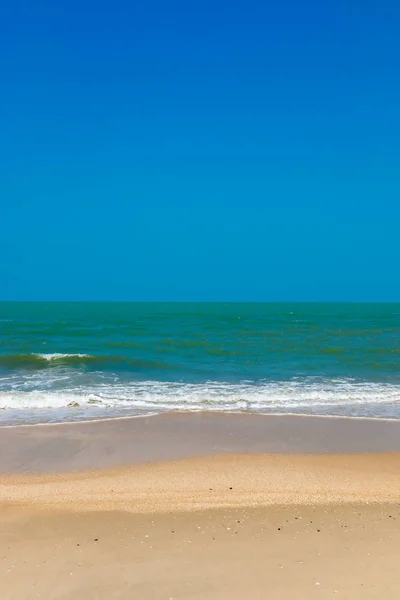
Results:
[200, 150]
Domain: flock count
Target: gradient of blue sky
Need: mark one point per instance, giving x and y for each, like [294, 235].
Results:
[175, 150]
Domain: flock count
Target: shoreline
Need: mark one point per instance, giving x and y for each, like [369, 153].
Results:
[203, 412]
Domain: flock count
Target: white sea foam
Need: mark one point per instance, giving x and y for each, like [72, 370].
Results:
[335, 397]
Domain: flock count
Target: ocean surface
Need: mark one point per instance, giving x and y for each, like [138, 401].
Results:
[74, 361]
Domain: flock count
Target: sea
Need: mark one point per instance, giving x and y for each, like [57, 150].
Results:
[78, 361]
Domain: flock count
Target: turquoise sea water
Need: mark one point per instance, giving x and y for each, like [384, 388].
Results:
[69, 361]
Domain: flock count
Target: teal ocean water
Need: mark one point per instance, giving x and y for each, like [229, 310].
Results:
[72, 361]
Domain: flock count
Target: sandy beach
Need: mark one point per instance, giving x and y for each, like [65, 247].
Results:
[221, 523]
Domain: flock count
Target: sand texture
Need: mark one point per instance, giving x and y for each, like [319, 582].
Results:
[224, 527]
[204, 507]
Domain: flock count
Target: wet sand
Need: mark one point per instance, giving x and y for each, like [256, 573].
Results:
[125, 442]
[233, 507]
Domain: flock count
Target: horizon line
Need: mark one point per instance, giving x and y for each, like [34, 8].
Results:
[199, 301]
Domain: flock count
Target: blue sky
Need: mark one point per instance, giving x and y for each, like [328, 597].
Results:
[200, 150]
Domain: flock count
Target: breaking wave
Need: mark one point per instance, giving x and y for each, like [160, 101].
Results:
[308, 396]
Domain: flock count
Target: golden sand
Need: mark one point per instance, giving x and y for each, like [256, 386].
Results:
[226, 527]
[211, 482]
[202, 509]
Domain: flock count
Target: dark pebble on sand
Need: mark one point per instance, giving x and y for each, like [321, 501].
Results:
[231, 488]
[96, 539]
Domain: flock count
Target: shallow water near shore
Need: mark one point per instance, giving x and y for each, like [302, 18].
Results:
[77, 361]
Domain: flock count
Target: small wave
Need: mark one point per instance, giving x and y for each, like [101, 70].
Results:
[38, 360]
[47, 360]
[59, 355]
